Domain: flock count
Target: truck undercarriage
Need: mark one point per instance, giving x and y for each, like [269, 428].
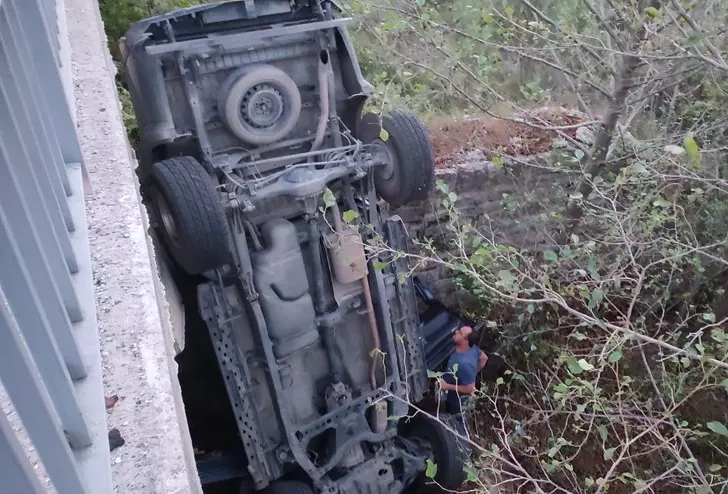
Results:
[326, 354]
[266, 182]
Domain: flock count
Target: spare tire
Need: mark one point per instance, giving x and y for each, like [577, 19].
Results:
[188, 214]
[405, 147]
[259, 104]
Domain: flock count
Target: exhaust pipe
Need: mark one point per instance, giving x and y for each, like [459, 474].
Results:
[349, 265]
[323, 81]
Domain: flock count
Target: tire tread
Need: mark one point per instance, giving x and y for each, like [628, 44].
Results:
[201, 222]
[409, 139]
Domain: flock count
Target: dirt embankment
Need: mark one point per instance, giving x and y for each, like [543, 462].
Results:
[526, 134]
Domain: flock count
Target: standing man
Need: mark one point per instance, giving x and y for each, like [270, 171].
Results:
[462, 368]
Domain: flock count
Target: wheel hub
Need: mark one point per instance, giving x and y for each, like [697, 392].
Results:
[262, 106]
[384, 158]
[168, 222]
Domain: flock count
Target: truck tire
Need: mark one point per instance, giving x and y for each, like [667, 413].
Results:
[259, 104]
[449, 455]
[188, 214]
[410, 170]
[289, 487]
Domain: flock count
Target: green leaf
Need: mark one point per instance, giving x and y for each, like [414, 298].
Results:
[499, 381]
[602, 432]
[595, 298]
[574, 366]
[497, 161]
[639, 485]
[715, 468]
[608, 453]
[579, 154]
[550, 256]
[691, 147]
[615, 356]
[421, 3]
[593, 270]
[329, 199]
[350, 215]
[433, 375]
[506, 277]
[638, 168]
[725, 384]
[379, 265]
[431, 469]
[554, 451]
[653, 12]
[384, 135]
[471, 473]
[530, 309]
[718, 428]
[585, 365]
[708, 317]
[402, 278]
[718, 335]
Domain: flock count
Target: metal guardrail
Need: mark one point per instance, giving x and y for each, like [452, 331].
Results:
[49, 348]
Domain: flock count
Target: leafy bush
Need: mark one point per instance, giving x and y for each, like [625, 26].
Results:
[616, 332]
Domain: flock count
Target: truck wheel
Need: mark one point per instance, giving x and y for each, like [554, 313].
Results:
[448, 454]
[289, 487]
[188, 213]
[259, 104]
[407, 151]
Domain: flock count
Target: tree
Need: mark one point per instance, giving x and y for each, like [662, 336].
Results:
[619, 349]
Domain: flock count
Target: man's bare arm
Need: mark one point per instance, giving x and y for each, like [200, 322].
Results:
[462, 389]
[482, 360]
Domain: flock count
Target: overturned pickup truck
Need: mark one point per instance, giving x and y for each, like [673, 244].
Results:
[265, 180]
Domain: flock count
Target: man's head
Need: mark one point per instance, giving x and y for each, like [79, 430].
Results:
[461, 334]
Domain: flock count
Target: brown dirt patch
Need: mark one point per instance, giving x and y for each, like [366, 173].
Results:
[498, 136]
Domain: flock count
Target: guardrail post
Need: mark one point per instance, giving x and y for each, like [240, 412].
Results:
[29, 314]
[15, 472]
[25, 388]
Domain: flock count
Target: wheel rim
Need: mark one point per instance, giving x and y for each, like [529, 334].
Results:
[383, 153]
[262, 106]
[168, 222]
